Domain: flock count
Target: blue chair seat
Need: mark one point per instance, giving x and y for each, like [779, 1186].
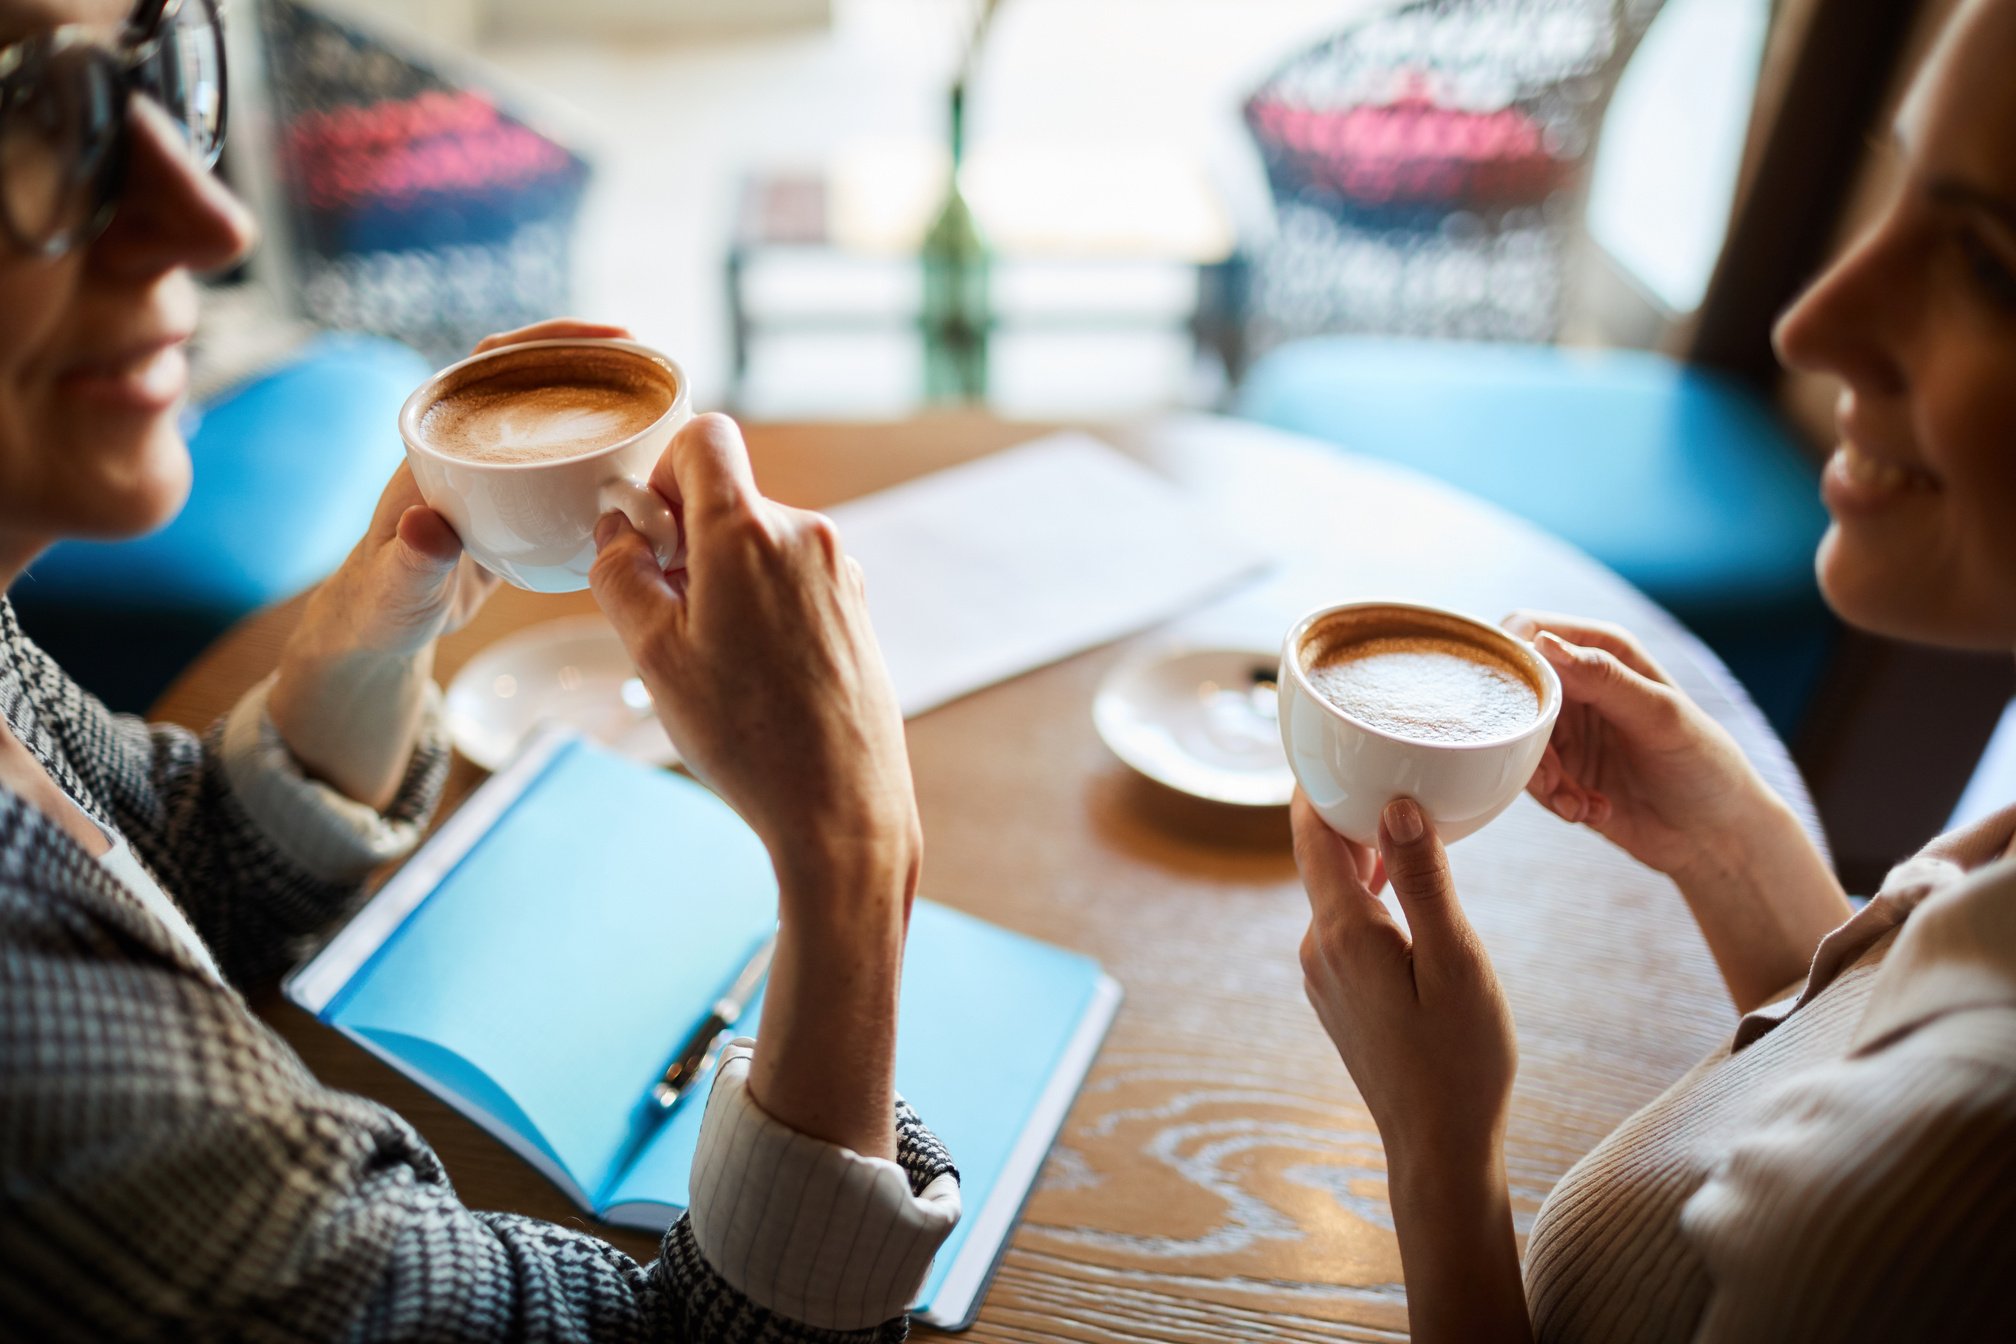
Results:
[287, 470]
[1680, 480]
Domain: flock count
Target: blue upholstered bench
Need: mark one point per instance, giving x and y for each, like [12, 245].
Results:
[1680, 480]
[288, 468]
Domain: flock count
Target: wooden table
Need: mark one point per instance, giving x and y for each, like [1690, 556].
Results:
[1219, 1178]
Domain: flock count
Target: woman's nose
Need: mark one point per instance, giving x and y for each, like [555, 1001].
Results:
[1848, 322]
[172, 211]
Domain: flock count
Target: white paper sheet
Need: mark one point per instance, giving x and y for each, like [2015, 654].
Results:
[984, 571]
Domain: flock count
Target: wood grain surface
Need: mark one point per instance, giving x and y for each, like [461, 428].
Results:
[1219, 1178]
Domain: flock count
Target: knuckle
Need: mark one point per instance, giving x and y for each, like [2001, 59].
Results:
[605, 569]
[1421, 869]
[713, 427]
[741, 527]
[1311, 954]
[1611, 668]
[616, 562]
[1666, 708]
[822, 538]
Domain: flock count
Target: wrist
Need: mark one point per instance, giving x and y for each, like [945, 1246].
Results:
[1763, 897]
[836, 884]
[1754, 827]
[320, 691]
[825, 1054]
[1459, 1253]
[350, 718]
[1444, 1176]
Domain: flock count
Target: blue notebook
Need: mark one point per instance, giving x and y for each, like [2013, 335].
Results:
[541, 958]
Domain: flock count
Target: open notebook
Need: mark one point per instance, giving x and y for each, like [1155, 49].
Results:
[539, 961]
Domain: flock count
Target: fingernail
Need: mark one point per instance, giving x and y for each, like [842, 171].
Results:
[605, 529]
[1403, 821]
[1554, 647]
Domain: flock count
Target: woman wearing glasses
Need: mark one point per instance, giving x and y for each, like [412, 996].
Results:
[1844, 1168]
[167, 1166]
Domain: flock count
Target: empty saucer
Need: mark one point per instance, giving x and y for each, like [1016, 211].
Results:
[573, 672]
[1201, 721]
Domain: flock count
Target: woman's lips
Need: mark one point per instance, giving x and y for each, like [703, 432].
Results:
[1855, 481]
[150, 380]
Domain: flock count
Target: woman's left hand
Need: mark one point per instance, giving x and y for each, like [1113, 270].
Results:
[406, 583]
[1416, 1012]
[354, 673]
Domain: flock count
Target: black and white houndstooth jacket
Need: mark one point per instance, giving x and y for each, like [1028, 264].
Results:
[170, 1167]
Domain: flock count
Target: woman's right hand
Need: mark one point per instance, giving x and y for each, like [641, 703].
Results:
[761, 663]
[1632, 757]
[1645, 767]
[768, 679]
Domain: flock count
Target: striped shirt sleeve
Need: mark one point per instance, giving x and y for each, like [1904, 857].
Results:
[1873, 1200]
[813, 1231]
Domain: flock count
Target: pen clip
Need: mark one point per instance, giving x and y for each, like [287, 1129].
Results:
[691, 1067]
[704, 1046]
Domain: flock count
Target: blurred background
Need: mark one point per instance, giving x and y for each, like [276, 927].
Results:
[1531, 247]
[1164, 189]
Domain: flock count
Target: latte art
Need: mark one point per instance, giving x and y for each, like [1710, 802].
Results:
[1425, 687]
[547, 410]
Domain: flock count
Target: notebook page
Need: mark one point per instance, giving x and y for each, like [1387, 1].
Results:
[567, 964]
[985, 1017]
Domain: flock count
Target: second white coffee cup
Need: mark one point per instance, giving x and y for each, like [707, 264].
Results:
[1351, 770]
[533, 523]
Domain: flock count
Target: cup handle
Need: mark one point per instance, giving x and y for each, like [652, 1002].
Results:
[651, 516]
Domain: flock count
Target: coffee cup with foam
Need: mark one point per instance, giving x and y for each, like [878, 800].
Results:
[1382, 700]
[523, 448]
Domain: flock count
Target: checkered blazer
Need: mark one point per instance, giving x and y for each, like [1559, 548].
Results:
[172, 1170]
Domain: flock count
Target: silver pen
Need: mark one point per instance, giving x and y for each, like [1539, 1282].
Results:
[695, 1057]
[704, 1046]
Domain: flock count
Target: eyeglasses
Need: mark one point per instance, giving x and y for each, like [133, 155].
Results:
[66, 116]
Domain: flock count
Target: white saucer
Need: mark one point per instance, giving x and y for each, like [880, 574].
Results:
[1201, 721]
[571, 672]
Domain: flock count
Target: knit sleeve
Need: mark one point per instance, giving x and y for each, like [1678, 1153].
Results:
[1874, 1199]
[172, 1171]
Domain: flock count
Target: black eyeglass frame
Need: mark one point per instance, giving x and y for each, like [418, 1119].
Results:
[127, 66]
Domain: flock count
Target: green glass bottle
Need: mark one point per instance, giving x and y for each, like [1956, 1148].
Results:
[956, 316]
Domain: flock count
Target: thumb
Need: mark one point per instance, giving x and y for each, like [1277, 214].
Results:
[1419, 871]
[1597, 678]
[630, 588]
[427, 544]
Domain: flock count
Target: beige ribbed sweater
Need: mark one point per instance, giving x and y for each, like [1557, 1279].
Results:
[1845, 1169]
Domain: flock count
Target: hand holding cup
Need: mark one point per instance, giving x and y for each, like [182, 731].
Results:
[1633, 757]
[761, 660]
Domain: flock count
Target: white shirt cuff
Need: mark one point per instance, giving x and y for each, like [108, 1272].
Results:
[329, 836]
[809, 1229]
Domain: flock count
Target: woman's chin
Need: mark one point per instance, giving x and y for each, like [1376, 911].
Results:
[142, 495]
[1899, 599]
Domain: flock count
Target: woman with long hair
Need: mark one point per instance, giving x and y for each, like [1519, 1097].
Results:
[1844, 1168]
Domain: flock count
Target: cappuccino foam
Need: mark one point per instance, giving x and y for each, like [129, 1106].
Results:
[1426, 687]
[546, 405]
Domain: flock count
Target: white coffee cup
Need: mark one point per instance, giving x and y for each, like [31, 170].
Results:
[533, 523]
[1351, 770]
